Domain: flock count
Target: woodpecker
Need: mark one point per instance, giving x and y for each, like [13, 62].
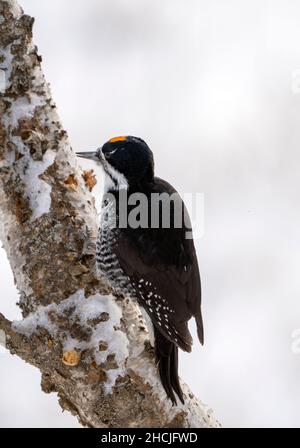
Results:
[156, 266]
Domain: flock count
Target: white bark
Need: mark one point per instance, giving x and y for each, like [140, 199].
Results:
[91, 347]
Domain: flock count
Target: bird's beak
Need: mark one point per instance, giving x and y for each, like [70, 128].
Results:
[91, 155]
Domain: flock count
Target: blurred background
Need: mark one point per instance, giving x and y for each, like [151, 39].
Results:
[213, 86]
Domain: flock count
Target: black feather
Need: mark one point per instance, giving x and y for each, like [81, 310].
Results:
[199, 323]
[174, 374]
[166, 354]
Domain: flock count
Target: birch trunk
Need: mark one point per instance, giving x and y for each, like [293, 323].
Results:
[92, 348]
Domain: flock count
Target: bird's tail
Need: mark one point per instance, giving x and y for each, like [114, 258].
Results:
[166, 353]
[200, 330]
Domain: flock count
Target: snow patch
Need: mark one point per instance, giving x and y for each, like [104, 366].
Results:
[199, 415]
[23, 108]
[6, 65]
[38, 75]
[38, 191]
[84, 310]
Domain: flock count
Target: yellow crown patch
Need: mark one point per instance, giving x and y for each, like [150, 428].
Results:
[117, 139]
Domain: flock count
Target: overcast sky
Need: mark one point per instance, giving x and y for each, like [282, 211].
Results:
[213, 86]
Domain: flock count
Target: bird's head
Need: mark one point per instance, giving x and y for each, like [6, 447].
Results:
[127, 161]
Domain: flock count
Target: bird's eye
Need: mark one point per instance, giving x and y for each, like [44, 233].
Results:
[109, 154]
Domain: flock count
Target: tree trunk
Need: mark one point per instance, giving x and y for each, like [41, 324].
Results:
[91, 347]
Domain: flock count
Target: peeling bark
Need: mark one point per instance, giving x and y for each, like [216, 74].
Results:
[92, 348]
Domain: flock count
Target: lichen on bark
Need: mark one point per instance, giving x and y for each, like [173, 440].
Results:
[48, 227]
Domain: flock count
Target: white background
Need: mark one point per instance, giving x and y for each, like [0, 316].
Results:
[212, 86]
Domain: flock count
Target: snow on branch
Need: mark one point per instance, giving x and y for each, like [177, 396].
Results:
[92, 348]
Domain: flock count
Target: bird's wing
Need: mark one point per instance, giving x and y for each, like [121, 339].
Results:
[170, 295]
